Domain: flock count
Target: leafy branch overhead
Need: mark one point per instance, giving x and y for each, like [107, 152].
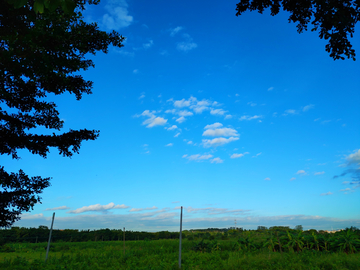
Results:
[335, 20]
[39, 54]
[39, 6]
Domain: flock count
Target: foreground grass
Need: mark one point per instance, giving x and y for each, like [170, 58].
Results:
[163, 254]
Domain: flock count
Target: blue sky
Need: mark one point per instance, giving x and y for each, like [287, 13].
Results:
[233, 118]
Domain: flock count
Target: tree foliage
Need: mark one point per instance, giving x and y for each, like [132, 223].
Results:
[335, 20]
[40, 57]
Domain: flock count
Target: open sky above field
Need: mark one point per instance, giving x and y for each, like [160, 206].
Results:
[233, 118]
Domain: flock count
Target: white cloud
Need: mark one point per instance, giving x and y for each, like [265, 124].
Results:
[217, 160]
[238, 155]
[248, 117]
[117, 16]
[319, 173]
[57, 208]
[181, 119]
[228, 116]
[270, 88]
[177, 135]
[142, 96]
[156, 121]
[345, 189]
[182, 103]
[142, 209]
[98, 208]
[189, 142]
[225, 132]
[308, 107]
[169, 144]
[258, 154]
[148, 45]
[354, 158]
[252, 104]
[175, 30]
[267, 179]
[218, 141]
[290, 112]
[172, 127]
[326, 194]
[300, 172]
[153, 121]
[198, 157]
[217, 111]
[213, 126]
[186, 46]
[292, 178]
[185, 113]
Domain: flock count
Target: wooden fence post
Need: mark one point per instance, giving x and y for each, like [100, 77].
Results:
[48, 246]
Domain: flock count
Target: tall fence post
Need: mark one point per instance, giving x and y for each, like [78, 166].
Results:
[48, 246]
[180, 237]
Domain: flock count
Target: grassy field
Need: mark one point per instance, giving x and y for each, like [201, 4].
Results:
[163, 254]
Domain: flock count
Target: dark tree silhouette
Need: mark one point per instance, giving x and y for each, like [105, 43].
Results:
[334, 19]
[39, 54]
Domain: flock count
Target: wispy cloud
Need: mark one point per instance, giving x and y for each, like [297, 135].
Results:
[142, 209]
[292, 178]
[217, 160]
[308, 107]
[198, 157]
[148, 44]
[326, 194]
[248, 117]
[270, 88]
[169, 144]
[217, 111]
[290, 111]
[57, 208]
[173, 127]
[98, 208]
[187, 45]
[239, 155]
[267, 179]
[301, 172]
[174, 31]
[258, 154]
[319, 173]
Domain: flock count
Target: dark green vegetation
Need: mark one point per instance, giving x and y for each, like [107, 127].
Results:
[335, 20]
[275, 248]
[40, 57]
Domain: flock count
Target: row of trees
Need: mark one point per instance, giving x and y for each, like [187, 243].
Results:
[41, 234]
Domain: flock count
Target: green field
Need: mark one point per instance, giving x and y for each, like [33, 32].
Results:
[163, 254]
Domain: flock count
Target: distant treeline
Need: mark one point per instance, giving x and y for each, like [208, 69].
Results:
[41, 234]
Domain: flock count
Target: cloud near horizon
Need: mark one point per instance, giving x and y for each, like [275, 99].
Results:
[98, 208]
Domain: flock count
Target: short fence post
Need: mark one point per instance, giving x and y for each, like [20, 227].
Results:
[48, 246]
[180, 237]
